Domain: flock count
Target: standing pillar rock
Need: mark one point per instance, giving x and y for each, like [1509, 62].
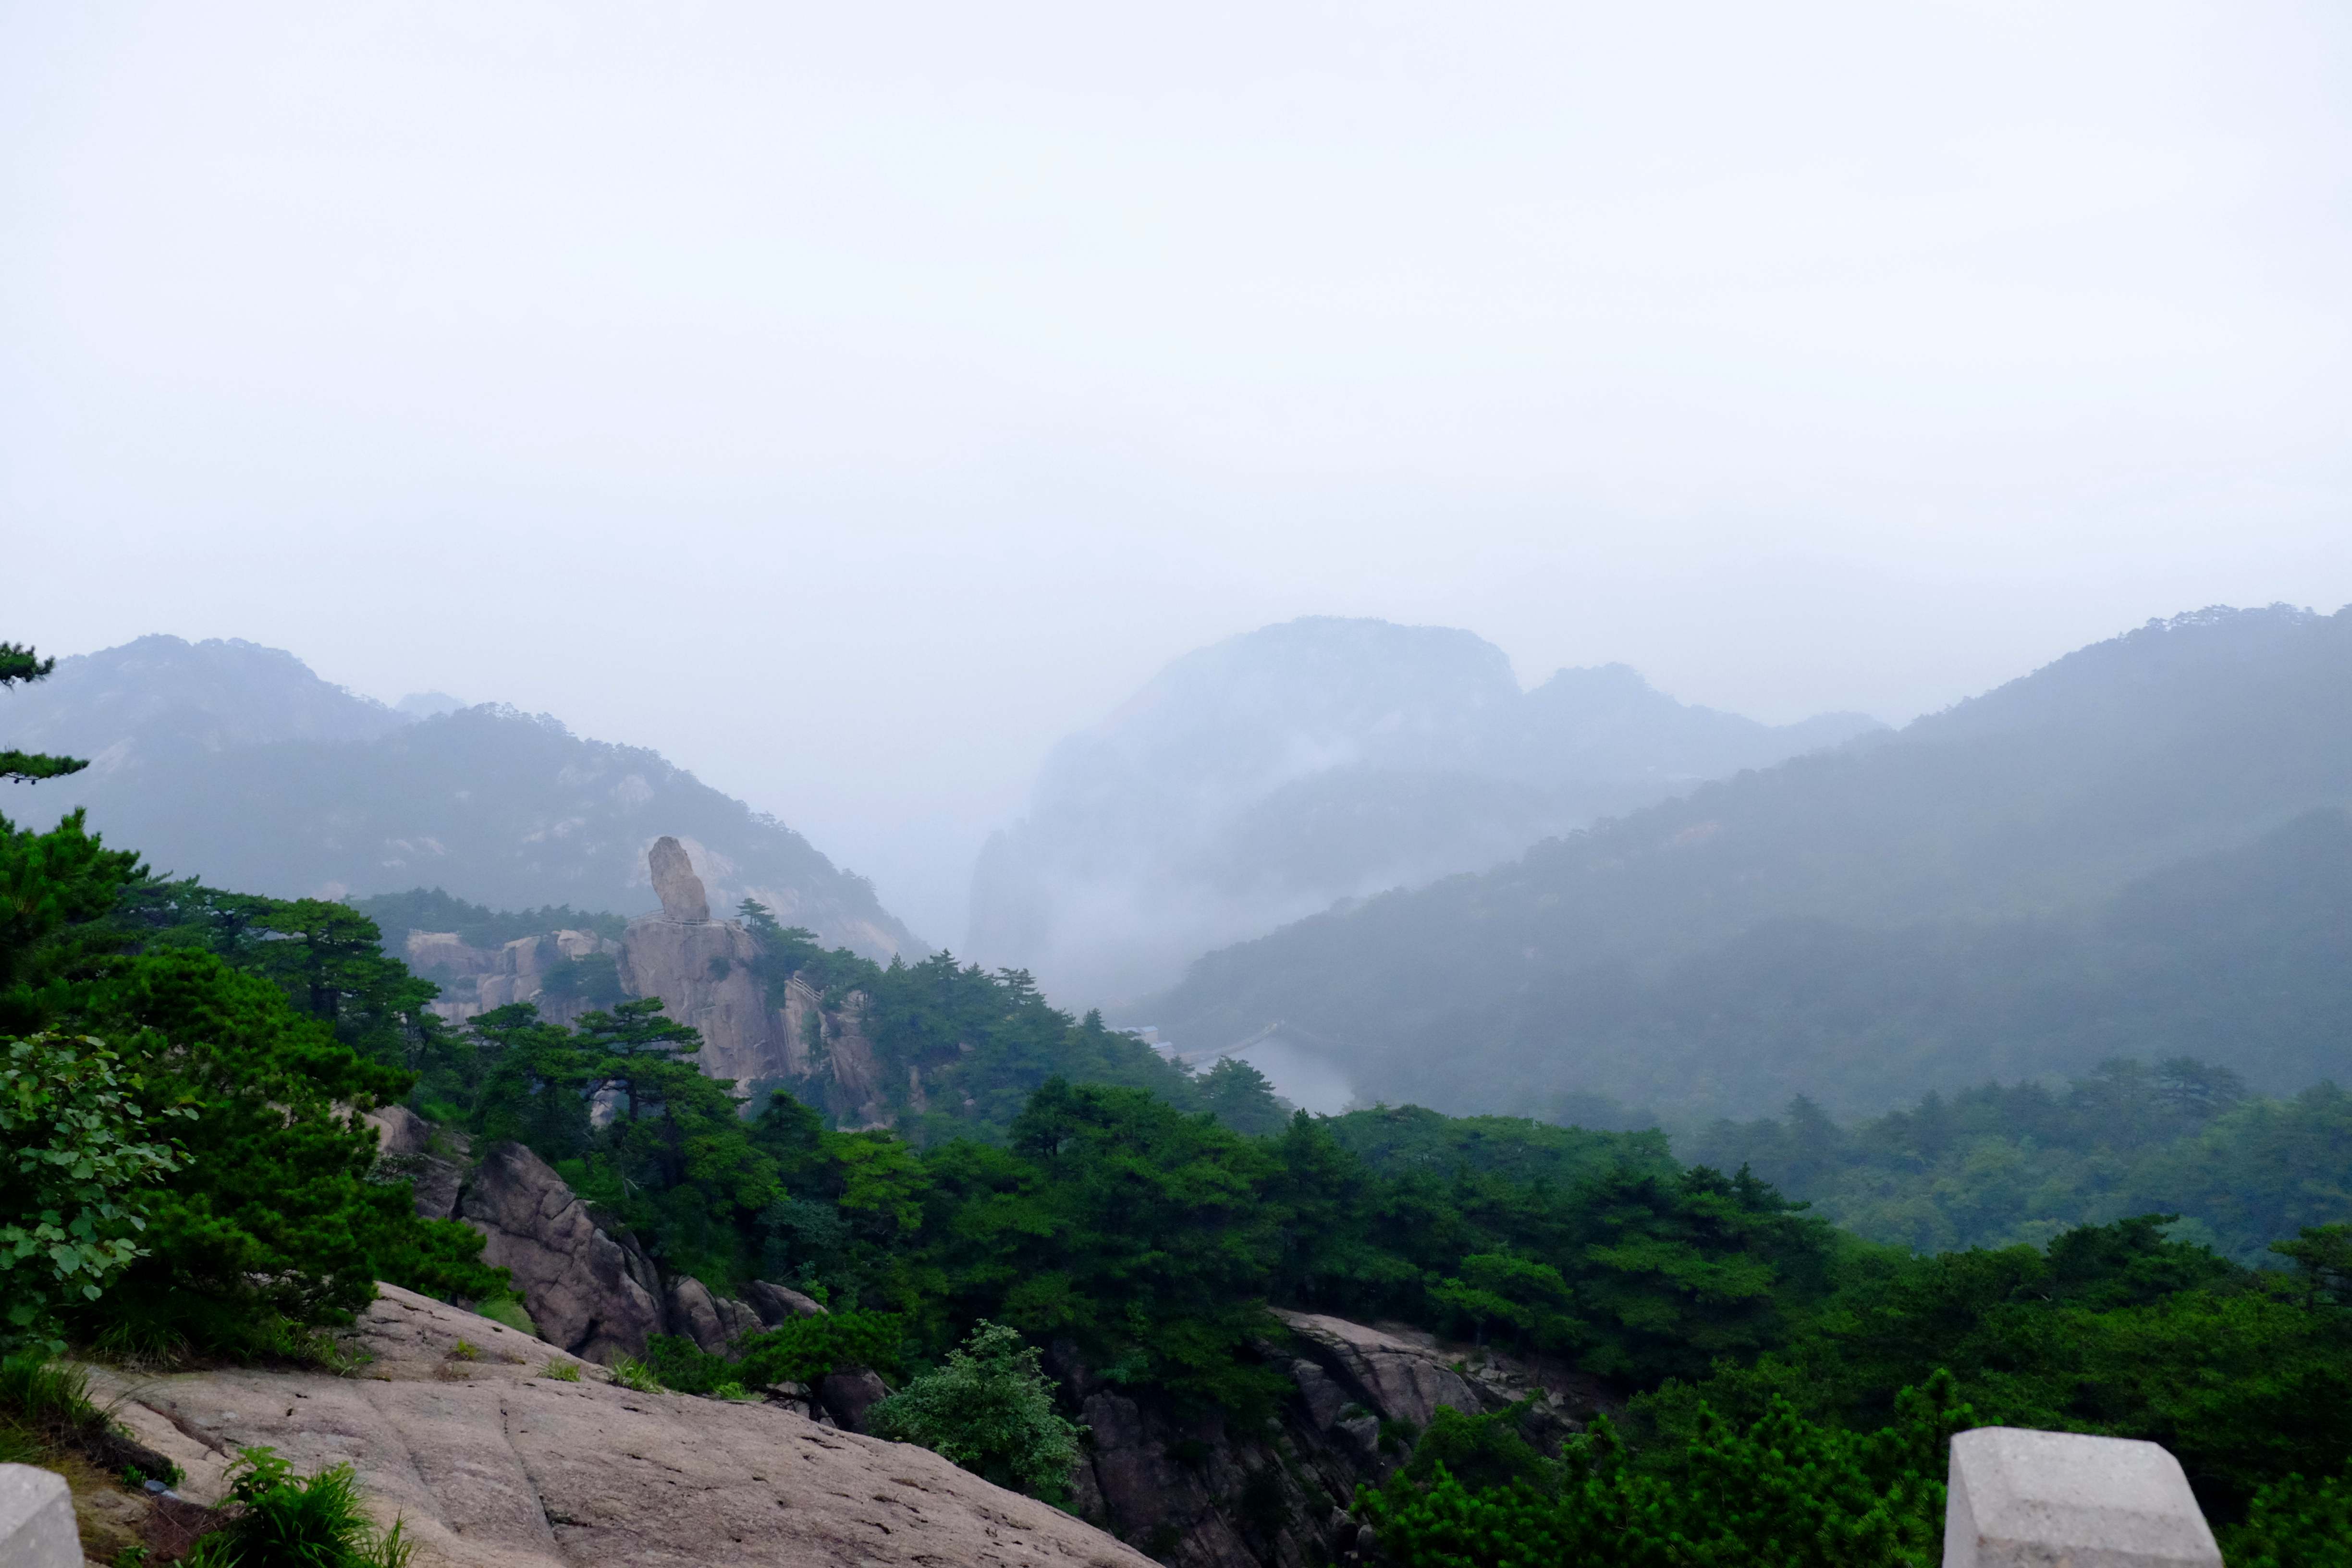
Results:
[675, 883]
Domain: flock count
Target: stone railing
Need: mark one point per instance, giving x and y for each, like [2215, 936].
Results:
[2058, 1499]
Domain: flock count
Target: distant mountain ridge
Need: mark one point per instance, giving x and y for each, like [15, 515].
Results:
[1606, 962]
[235, 762]
[1271, 774]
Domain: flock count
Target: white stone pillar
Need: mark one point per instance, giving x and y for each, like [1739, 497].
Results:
[2058, 1499]
[36, 1520]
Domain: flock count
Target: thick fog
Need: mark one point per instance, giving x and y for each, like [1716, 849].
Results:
[852, 400]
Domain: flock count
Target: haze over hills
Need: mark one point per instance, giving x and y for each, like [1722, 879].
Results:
[2108, 856]
[235, 764]
[1265, 778]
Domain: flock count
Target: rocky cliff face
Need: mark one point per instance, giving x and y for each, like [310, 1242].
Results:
[1195, 1492]
[475, 980]
[702, 969]
[454, 1425]
[592, 1291]
[1200, 1493]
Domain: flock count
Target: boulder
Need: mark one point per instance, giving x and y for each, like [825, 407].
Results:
[713, 1322]
[588, 1293]
[430, 1159]
[848, 1395]
[675, 883]
[774, 1302]
[1392, 1375]
[489, 1464]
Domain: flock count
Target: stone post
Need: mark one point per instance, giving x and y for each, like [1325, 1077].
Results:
[36, 1520]
[2058, 1499]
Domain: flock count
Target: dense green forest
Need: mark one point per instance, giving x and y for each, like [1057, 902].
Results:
[183, 1176]
[2002, 1164]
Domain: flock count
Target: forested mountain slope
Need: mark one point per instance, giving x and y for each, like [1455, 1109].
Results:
[1265, 777]
[2116, 854]
[235, 762]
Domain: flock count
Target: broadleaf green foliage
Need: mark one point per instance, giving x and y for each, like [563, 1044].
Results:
[1779, 1492]
[2022, 1162]
[249, 1028]
[78, 1169]
[990, 1410]
[281, 1520]
[2295, 1524]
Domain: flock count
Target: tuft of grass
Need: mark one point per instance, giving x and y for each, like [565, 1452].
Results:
[145, 1327]
[278, 1517]
[560, 1371]
[734, 1394]
[631, 1372]
[45, 1408]
[465, 1350]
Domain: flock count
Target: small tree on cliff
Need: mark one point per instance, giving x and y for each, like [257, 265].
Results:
[990, 1410]
[19, 663]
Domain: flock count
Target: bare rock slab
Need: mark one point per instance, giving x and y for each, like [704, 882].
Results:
[2021, 1499]
[36, 1520]
[491, 1464]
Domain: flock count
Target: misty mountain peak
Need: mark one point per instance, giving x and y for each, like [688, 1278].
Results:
[1264, 776]
[429, 704]
[161, 696]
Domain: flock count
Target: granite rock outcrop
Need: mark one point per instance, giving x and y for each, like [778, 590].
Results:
[593, 1295]
[589, 1288]
[681, 891]
[476, 980]
[453, 1427]
[756, 1033]
[1197, 1492]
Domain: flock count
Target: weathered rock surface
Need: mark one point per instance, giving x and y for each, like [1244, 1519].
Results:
[702, 972]
[675, 883]
[846, 1395]
[490, 1465]
[589, 1293]
[431, 1159]
[711, 1321]
[774, 1303]
[1198, 1494]
[702, 969]
[476, 980]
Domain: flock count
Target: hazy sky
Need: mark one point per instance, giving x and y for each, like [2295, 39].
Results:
[849, 400]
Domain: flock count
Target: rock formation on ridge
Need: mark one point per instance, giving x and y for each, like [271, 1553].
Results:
[675, 883]
[702, 969]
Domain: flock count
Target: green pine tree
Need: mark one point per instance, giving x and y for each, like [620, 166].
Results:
[19, 663]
